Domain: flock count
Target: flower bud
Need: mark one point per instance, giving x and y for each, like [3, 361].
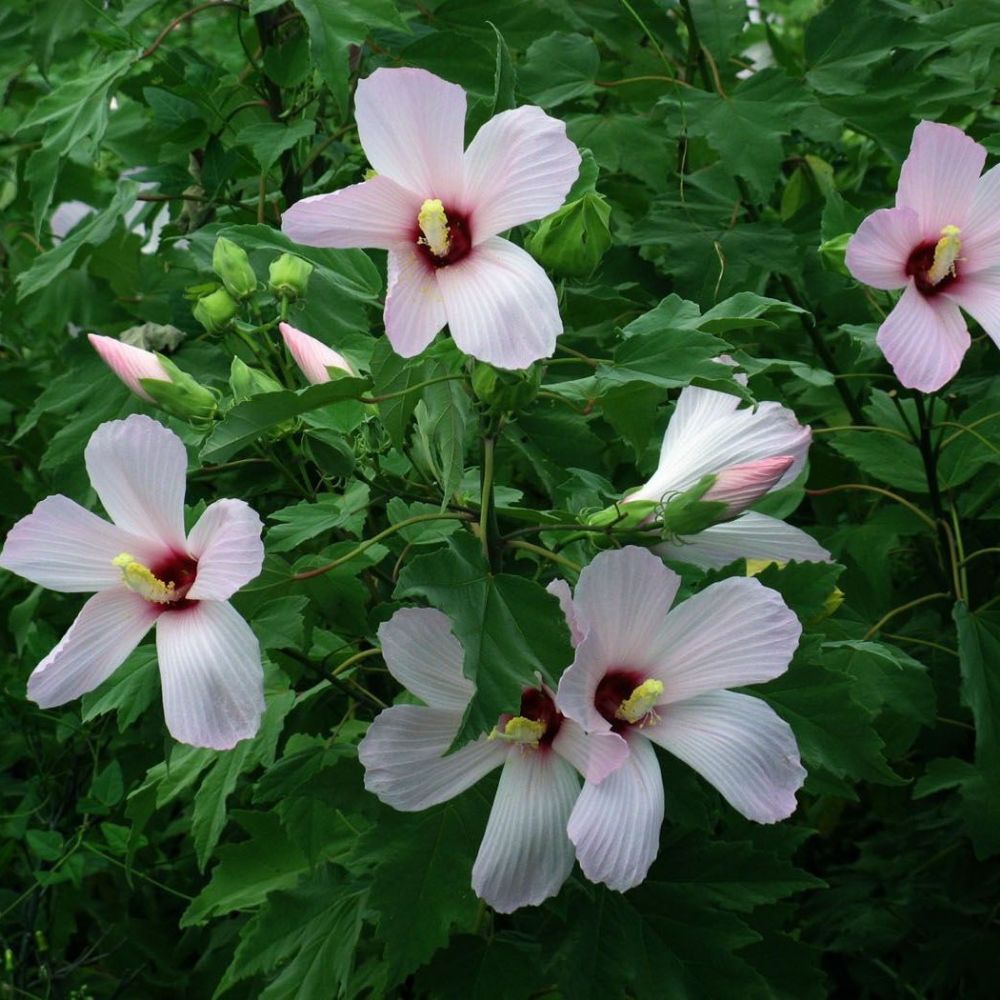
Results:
[215, 311]
[288, 276]
[312, 356]
[738, 486]
[833, 252]
[129, 363]
[232, 265]
[247, 382]
[573, 240]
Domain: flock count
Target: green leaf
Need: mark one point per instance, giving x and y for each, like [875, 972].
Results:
[806, 587]
[666, 358]
[393, 374]
[719, 23]
[269, 140]
[559, 68]
[979, 658]
[443, 418]
[299, 523]
[980, 805]
[505, 77]
[129, 691]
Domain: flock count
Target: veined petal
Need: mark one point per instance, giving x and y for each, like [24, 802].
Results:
[211, 674]
[109, 626]
[616, 825]
[137, 466]
[981, 235]
[559, 589]
[924, 339]
[226, 542]
[738, 486]
[414, 308]
[878, 252]
[501, 305]
[579, 682]
[519, 167]
[375, 213]
[979, 295]
[64, 547]
[129, 363]
[525, 855]
[412, 128]
[313, 356]
[594, 755]
[738, 744]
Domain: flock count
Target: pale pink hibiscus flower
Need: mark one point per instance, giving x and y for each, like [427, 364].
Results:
[438, 209]
[941, 243]
[655, 675]
[752, 451]
[312, 356]
[129, 363]
[525, 855]
[145, 572]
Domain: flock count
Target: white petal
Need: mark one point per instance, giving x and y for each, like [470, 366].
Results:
[526, 855]
[981, 236]
[137, 466]
[414, 309]
[616, 825]
[212, 678]
[226, 542]
[594, 755]
[739, 745]
[979, 295]
[109, 626]
[559, 589]
[877, 254]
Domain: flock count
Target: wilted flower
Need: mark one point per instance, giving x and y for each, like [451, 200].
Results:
[312, 356]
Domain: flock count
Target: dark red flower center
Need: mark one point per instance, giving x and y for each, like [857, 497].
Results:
[181, 570]
[615, 688]
[918, 267]
[459, 240]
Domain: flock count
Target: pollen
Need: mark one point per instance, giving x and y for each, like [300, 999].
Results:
[434, 225]
[638, 706]
[527, 732]
[946, 252]
[140, 578]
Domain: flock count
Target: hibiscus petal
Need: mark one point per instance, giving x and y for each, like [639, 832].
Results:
[559, 589]
[981, 235]
[403, 754]
[129, 363]
[211, 674]
[313, 356]
[137, 466]
[878, 252]
[616, 825]
[423, 655]
[501, 306]
[226, 542]
[64, 547]
[979, 295]
[939, 176]
[525, 855]
[579, 682]
[375, 213]
[594, 755]
[519, 167]
[412, 128]
[109, 626]
[738, 744]
[414, 308]
[924, 339]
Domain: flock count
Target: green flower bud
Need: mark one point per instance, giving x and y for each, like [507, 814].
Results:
[624, 515]
[182, 395]
[289, 276]
[232, 265]
[505, 391]
[215, 311]
[687, 513]
[573, 240]
[832, 253]
[246, 381]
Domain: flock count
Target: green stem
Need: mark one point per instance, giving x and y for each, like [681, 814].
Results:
[545, 554]
[410, 388]
[356, 658]
[979, 552]
[487, 513]
[903, 607]
[652, 40]
[913, 508]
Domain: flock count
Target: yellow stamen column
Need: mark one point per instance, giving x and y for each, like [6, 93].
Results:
[945, 255]
[434, 225]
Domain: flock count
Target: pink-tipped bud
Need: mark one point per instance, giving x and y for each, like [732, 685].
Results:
[740, 485]
[129, 363]
[312, 356]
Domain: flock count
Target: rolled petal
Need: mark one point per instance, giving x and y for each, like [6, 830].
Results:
[939, 177]
[878, 252]
[412, 128]
[423, 655]
[226, 542]
[738, 744]
[738, 486]
[732, 633]
[64, 547]
[525, 855]
[616, 825]
[414, 308]
[313, 356]
[577, 627]
[109, 626]
[129, 363]
[519, 167]
[979, 295]
[403, 754]
[137, 467]
[375, 213]
[594, 755]
[501, 305]
[981, 235]
[579, 682]
[924, 339]
[211, 674]
[749, 536]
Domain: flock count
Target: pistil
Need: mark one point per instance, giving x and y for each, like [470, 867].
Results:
[946, 252]
[638, 706]
[433, 223]
[140, 578]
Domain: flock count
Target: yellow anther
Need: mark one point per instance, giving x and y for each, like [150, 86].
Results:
[140, 579]
[639, 704]
[520, 730]
[434, 225]
[945, 254]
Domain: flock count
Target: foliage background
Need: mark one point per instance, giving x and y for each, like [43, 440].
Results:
[132, 866]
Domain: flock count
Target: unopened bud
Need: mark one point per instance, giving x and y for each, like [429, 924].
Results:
[313, 357]
[247, 382]
[288, 276]
[232, 265]
[129, 363]
[182, 395]
[216, 311]
[738, 486]
[573, 240]
[833, 252]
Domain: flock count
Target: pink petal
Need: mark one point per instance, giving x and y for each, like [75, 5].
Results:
[594, 755]
[137, 467]
[501, 306]
[577, 626]
[732, 633]
[64, 547]
[749, 536]
[924, 339]
[412, 128]
[981, 236]
[129, 363]
[739, 745]
[109, 626]
[979, 295]
[525, 855]
[579, 682]
[519, 167]
[938, 179]
[403, 754]
[878, 252]
[414, 309]
[226, 542]
[375, 213]
[313, 356]
[423, 655]
[616, 825]
[211, 674]
[738, 486]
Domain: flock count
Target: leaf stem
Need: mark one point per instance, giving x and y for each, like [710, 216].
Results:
[356, 658]
[913, 508]
[545, 554]
[904, 607]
